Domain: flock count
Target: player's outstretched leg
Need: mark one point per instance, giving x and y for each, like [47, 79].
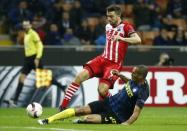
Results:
[89, 119]
[66, 114]
[103, 90]
[62, 115]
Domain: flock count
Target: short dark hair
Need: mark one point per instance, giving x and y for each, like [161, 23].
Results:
[115, 8]
[143, 70]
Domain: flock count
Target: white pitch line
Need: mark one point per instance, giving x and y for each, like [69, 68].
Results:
[40, 128]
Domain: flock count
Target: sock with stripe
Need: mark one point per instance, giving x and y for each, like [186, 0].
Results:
[73, 87]
[62, 115]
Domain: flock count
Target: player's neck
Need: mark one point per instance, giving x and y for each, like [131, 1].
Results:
[27, 31]
[117, 23]
[143, 82]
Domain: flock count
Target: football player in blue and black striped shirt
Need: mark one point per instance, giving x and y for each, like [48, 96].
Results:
[122, 108]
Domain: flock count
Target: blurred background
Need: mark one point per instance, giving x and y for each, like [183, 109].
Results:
[159, 22]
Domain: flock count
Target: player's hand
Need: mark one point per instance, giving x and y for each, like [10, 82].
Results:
[36, 62]
[115, 72]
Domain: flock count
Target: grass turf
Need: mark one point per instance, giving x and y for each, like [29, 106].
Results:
[151, 119]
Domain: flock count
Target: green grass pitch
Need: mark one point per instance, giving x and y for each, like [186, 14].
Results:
[151, 119]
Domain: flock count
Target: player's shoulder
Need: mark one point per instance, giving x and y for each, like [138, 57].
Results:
[145, 89]
[33, 32]
[108, 26]
[126, 23]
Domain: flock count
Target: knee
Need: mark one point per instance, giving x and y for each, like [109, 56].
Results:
[92, 119]
[82, 110]
[88, 118]
[78, 79]
[22, 78]
[103, 92]
[81, 77]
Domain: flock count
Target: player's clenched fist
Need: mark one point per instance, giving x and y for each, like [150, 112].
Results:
[115, 72]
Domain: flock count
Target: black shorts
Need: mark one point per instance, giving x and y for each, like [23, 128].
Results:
[103, 108]
[29, 64]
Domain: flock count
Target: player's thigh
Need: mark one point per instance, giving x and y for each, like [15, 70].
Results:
[95, 66]
[108, 76]
[26, 69]
[98, 107]
[40, 64]
[83, 110]
[105, 114]
[103, 87]
[28, 65]
[82, 76]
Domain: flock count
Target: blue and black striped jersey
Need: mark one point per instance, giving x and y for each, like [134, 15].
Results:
[123, 103]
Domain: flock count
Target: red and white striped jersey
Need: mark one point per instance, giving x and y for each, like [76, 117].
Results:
[116, 50]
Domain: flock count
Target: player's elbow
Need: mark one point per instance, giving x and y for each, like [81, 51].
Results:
[138, 40]
[41, 45]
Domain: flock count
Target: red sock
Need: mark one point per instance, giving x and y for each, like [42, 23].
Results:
[73, 87]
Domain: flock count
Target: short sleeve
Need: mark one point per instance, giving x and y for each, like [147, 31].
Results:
[142, 96]
[129, 29]
[36, 37]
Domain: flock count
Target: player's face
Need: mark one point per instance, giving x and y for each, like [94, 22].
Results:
[136, 75]
[26, 28]
[26, 25]
[112, 18]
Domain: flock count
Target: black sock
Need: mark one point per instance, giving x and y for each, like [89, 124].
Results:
[18, 91]
[55, 82]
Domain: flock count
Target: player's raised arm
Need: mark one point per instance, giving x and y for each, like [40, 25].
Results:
[132, 39]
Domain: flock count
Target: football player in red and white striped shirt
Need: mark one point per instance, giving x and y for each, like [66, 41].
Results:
[119, 34]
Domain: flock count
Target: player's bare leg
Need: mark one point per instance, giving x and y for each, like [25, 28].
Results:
[92, 118]
[70, 112]
[103, 91]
